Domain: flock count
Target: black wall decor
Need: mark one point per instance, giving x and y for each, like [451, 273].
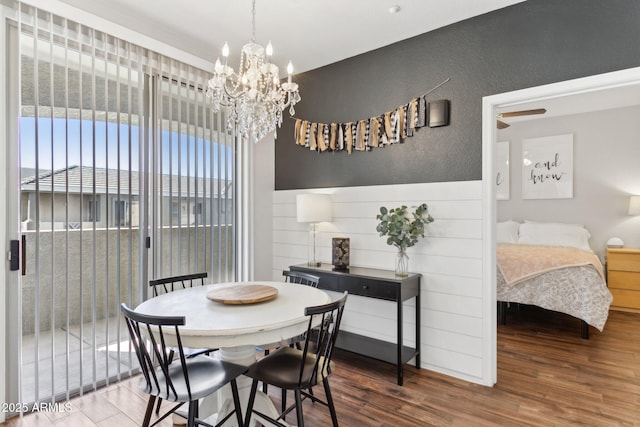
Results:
[524, 45]
[438, 113]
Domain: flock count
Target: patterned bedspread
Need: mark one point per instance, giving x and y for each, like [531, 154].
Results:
[578, 291]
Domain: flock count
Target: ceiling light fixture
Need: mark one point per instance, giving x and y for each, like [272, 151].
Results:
[254, 94]
[395, 9]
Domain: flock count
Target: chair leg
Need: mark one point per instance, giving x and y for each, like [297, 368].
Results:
[298, 396]
[284, 400]
[252, 398]
[158, 406]
[264, 385]
[236, 401]
[193, 413]
[147, 414]
[332, 409]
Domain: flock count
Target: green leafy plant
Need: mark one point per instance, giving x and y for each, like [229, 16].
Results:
[401, 227]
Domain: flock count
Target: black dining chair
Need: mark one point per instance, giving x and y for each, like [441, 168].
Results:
[299, 370]
[170, 375]
[168, 284]
[302, 279]
[171, 283]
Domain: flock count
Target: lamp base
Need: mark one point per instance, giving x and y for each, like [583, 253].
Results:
[314, 263]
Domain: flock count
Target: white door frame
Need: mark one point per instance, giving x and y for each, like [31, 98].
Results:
[10, 335]
[490, 106]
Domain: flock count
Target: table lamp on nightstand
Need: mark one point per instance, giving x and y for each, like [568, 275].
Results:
[313, 208]
[634, 205]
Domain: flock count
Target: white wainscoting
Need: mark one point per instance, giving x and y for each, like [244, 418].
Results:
[449, 259]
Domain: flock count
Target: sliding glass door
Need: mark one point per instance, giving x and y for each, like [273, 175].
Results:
[193, 207]
[82, 134]
[124, 174]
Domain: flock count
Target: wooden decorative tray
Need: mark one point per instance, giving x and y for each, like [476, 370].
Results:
[243, 294]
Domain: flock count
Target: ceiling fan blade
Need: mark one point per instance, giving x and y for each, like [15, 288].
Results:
[501, 125]
[523, 113]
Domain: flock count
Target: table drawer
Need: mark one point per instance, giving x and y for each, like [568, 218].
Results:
[368, 288]
[624, 261]
[624, 280]
[625, 298]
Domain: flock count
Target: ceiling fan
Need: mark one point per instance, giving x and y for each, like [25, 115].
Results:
[501, 125]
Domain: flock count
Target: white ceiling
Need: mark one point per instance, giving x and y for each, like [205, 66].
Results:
[310, 33]
[597, 100]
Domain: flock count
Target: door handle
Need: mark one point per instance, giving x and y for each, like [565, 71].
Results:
[14, 255]
[24, 255]
[17, 254]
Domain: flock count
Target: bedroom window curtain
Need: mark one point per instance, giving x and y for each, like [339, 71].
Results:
[126, 174]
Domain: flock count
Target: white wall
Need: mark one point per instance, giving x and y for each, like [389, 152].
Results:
[450, 260]
[606, 173]
[264, 172]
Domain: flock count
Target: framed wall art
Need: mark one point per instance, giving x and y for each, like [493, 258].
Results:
[547, 167]
[502, 170]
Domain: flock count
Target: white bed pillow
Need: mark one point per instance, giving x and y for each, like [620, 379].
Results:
[554, 234]
[507, 232]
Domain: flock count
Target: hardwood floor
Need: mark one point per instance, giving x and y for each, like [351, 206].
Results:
[547, 376]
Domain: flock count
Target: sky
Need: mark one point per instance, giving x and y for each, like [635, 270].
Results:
[63, 143]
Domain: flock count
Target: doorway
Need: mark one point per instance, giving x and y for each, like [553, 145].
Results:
[588, 86]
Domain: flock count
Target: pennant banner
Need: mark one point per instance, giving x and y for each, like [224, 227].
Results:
[362, 135]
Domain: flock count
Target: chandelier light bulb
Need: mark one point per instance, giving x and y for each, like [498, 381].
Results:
[225, 50]
[269, 50]
[289, 71]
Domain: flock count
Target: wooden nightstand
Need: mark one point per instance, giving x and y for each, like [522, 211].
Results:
[623, 278]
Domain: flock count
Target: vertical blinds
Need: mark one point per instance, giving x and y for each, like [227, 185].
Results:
[117, 144]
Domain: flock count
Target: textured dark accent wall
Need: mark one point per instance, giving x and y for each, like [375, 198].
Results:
[528, 44]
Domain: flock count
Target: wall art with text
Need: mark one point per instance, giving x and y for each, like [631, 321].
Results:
[547, 167]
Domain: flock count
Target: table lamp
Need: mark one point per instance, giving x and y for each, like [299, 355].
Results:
[634, 205]
[313, 208]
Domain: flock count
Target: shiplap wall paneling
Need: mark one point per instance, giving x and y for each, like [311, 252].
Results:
[449, 259]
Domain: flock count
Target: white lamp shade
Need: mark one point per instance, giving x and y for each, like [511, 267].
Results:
[313, 207]
[634, 205]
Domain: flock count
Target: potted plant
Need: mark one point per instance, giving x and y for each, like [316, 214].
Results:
[403, 229]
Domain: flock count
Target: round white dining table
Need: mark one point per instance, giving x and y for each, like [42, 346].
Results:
[236, 329]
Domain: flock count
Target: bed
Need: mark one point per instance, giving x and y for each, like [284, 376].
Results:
[551, 265]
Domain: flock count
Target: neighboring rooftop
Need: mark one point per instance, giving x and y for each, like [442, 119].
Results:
[74, 178]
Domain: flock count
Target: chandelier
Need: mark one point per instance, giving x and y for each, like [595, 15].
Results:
[254, 95]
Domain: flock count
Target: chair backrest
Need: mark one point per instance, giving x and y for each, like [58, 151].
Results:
[169, 284]
[302, 278]
[148, 339]
[321, 339]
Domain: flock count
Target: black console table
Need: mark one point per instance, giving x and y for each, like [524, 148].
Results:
[373, 283]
